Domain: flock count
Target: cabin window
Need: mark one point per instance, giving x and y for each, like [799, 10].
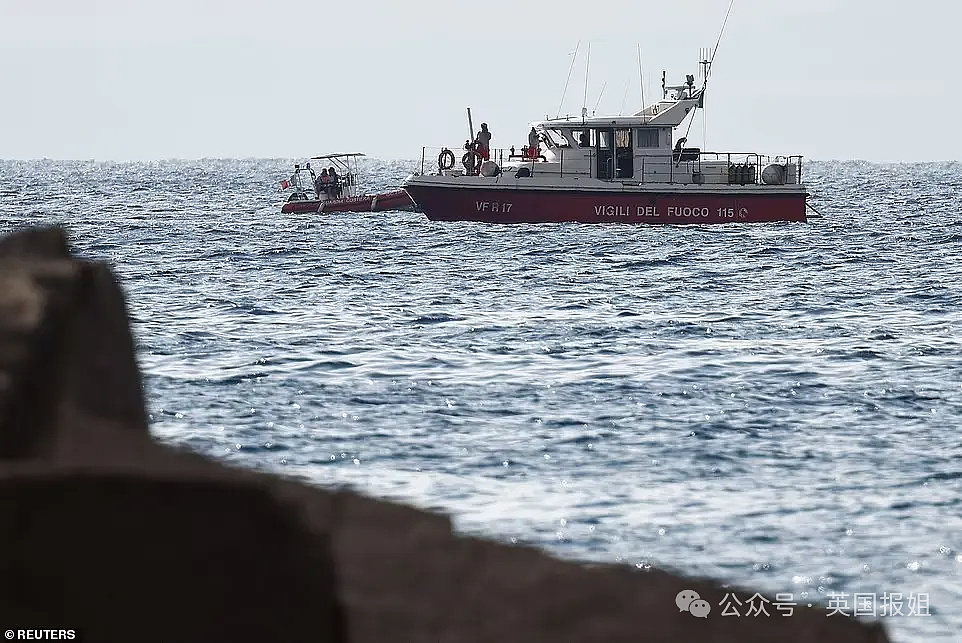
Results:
[554, 138]
[604, 139]
[581, 137]
[646, 137]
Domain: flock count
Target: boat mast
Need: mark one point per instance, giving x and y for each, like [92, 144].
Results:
[584, 103]
[599, 97]
[570, 67]
[718, 42]
[707, 64]
[704, 64]
[641, 82]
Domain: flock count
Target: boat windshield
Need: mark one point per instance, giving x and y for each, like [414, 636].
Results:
[554, 138]
[303, 178]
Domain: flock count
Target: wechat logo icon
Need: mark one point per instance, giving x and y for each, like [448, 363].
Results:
[689, 601]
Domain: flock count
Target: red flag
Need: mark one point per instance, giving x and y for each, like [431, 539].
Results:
[285, 184]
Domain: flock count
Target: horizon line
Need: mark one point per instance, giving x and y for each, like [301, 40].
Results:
[380, 158]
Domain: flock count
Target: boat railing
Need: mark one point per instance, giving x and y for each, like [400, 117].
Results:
[688, 166]
[432, 156]
[683, 166]
[753, 162]
[431, 160]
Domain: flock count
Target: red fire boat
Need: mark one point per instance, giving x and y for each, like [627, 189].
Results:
[614, 169]
[335, 189]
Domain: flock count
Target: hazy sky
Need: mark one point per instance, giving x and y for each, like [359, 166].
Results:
[123, 79]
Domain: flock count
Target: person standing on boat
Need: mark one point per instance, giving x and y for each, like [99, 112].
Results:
[335, 182]
[484, 142]
[533, 143]
[680, 148]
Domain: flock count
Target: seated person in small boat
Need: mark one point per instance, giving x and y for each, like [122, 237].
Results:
[322, 183]
[335, 189]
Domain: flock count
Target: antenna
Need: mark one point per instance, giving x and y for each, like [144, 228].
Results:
[715, 50]
[664, 88]
[704, 63]
[584, 105]
[708, 63]
[704, 69]
[624, 98]
[641, 80]
[570, 67]
[599, 98]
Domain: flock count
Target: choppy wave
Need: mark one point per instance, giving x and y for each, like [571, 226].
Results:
[776, 405]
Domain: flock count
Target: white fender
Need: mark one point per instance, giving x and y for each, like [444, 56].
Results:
[373, 203]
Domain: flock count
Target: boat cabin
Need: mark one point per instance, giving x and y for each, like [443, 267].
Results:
[613, 143]
[634, 149]
[604, 149]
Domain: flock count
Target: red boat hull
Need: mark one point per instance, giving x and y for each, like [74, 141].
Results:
[518, 205]
[396, 200]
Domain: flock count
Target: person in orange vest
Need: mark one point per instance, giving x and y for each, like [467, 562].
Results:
[323, 184]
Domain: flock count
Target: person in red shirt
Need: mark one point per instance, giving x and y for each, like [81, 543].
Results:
[484, 142]
[533, 143]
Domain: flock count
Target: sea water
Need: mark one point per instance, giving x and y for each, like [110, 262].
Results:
[774, 405]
